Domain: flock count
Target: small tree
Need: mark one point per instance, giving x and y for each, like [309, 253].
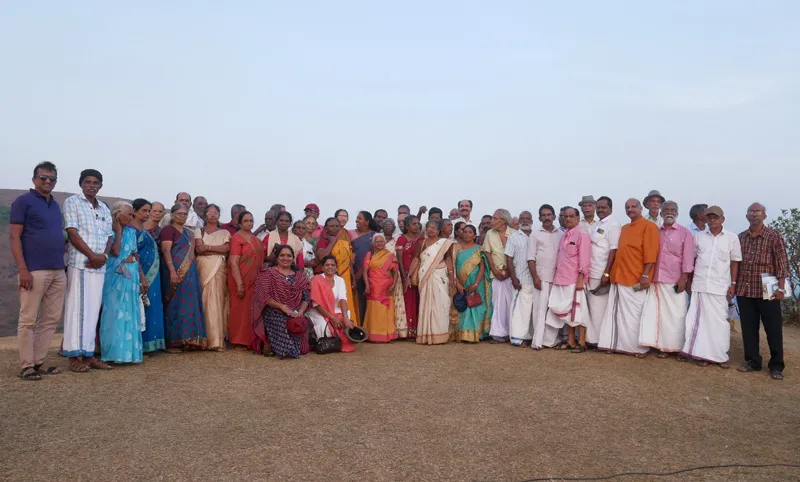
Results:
[788, 224]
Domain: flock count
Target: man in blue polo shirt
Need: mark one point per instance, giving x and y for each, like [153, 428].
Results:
[37, 244]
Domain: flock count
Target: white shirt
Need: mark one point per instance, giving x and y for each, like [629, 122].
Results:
[605, 237]
[543, 248]
[712, 268]
[589, 227]
[517, 248]
[339, 293]
[462, 220]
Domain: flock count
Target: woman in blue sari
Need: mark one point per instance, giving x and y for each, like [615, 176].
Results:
[184, 323]
[153, 336]
[471, 265]
[121, 319]
[366, 227]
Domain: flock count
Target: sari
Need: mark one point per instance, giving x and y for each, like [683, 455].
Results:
[251, 257]
[379, 318]
[121, 317]
[343, 253]
[323, 295]
[184, 324]
[474, 323]
[454, 318]
[411, 295]
[273, 238]
[153, 336]
[362, 244]
[434, 294]
[270, 323]
[214, 280]
[400, 320]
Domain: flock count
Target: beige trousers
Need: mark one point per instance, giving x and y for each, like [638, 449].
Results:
[39, 313]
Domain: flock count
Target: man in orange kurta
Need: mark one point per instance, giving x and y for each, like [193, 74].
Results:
[630, 279]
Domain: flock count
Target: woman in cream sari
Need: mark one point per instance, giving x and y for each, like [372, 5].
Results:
[435, 276]
[471, 266]
[211, 262]
[336, 242]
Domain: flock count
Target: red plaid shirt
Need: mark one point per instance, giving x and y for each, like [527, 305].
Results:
[762, 253]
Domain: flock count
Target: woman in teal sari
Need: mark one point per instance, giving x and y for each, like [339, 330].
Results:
[121, 319]
[153, 336]
[471, 266]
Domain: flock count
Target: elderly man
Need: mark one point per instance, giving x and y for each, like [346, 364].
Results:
[502, 289]
[766, 253]
[653, 203]
[401, 223]
[193, 221]
[630, 279]
[698, 215]
[542, 253]
[199, 207]
[233, 226]
[588, 207]
[485, 227]
[270, 224]
[453, 215]
[567, 302]
[708, 333]
[664, 313]
[605, 241]
[521, 280]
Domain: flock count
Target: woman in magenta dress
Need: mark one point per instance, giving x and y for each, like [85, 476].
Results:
[406, 245]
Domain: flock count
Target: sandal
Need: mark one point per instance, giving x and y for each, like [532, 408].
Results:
[701, 363]
[725, 365]
[563, 346]
[682, 358]
[662, 354]
[46, 371]
[30, 374]
[642, 355]
[96, 364]
[746, 367]
[173, 350]
[578, 349]
[776, 375]
[78, 366]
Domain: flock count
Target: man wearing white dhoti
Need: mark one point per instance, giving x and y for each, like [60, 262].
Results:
[605, 240]
[630, 280]
[502, 291]
[664, 313]
[567, 302]
[542, 253]
[708, 333]
[88, 224]
[521, 280]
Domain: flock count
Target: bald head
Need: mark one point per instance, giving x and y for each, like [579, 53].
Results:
[184, 199]
[633, 208]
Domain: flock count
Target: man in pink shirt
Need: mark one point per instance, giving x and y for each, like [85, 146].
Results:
[664, 313]
[567, 303]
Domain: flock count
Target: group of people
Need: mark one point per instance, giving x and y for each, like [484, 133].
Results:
[142, 278]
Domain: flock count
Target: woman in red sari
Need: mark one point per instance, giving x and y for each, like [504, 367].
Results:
[406, 245]
[380, 274]
[246, 258]
[329, 311]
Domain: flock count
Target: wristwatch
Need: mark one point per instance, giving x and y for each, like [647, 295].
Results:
[606, 275]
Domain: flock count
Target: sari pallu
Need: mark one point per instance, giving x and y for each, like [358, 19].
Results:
[153, 336]
[343, 253]
[121, 317]
[410, 295]
[251, 257]
[474, 323]
[213, 271]
[322, 295]
[434, 295]
[269, 324]
[379, 318]
[184, 324]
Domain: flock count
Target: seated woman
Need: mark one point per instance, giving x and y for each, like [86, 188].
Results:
[471, 269]
[121, 319]
[329, 311]
[380, 276]
[336, 243]
[281, 296]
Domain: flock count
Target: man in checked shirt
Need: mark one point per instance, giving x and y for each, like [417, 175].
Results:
[764, 251]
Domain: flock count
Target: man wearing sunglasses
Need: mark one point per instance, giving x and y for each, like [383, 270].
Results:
[37, 244]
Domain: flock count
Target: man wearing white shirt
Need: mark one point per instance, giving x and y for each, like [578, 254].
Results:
[588, 208]
[542, 254]
[605, 241]
[521, 280]
[193, 221]
[698, 215]
[464, 212]
[718, 253]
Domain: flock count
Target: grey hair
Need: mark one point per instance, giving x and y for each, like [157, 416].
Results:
[504, 215]
[525, 212]
[118, 207]
[378, 235]
[763, 208]
[177, 207]
[389, 220]
[673, 203]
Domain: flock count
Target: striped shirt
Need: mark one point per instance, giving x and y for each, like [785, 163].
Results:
[764, 252]
[93, 225]
[517, 249]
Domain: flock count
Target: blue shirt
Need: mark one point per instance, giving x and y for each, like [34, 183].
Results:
[42, 233]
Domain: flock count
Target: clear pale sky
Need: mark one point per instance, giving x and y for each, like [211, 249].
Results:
[364, 104]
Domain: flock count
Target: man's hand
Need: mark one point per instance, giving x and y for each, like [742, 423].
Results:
[604, 280]
[579, 285]
[683, 282]
[644, 281]
[25, 280]
[537, 282]
[515, 283]
[778, 295]
[732, 292]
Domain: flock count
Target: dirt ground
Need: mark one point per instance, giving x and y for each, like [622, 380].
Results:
[400, 412]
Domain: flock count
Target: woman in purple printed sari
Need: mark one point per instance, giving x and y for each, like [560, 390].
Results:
[366, 227]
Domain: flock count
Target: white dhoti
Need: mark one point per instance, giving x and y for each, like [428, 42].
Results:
[502, 298]
[597, 310]
[566, 305]
[620, 329]
[520, 328]
[543, 334]
[708, 333]
[664, 318]
[81, 311]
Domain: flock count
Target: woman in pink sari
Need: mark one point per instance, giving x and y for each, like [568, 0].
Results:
[329, 311]
[380, 275]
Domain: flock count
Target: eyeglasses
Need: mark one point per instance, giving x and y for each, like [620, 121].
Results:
[44, 178]
[181, 213]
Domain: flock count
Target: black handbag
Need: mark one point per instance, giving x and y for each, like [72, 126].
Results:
[329, 344]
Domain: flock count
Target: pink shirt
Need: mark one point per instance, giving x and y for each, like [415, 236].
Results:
[574, 257]
[675, 253]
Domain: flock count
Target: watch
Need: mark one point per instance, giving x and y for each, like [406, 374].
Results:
[606, 275]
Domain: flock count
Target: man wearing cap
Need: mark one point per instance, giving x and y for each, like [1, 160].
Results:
[502, 291]
[588, 206]
[698, 215]
[88, 224]
[193, 221]
[313, 211]
[605, 241]
[708, 333]
[521, 280]
[631, 276]
[653, 203]
[542, 253]
[664, 313]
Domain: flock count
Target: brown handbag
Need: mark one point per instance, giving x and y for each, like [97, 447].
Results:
[474, 299]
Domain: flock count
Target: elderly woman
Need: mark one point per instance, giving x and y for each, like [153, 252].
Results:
[184, 323]
[281, 301]
[435, 276]
[494, 244]
[471, 269]
[313, 230]
[335, 242]
[153, 336]
[246, 258]
[157, 211]
[121, 318]
[405, 249]
[309, 258]
[400, 320]
[212, 264]
[329, 312]
[380, 276]
[282, 236]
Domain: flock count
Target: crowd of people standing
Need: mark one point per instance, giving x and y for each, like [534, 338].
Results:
[142, 277]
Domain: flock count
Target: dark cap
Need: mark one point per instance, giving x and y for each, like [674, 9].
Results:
[715, 210]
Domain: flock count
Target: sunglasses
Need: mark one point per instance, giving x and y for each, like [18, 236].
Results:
[44, 178]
